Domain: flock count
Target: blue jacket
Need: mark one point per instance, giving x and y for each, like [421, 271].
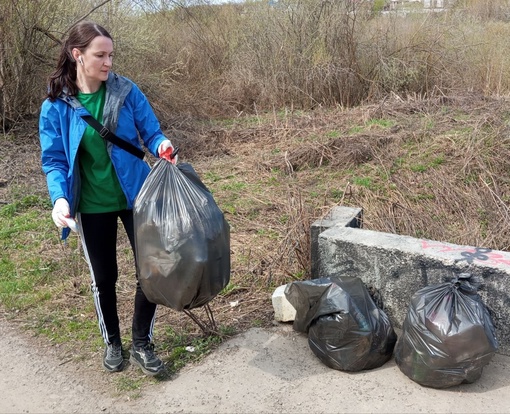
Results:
[127, 113]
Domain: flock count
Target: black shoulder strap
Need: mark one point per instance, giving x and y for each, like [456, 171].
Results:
[114, 139]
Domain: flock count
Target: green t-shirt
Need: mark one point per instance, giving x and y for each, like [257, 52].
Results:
[100, 188]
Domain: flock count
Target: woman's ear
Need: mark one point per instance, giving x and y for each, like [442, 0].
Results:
[76, 54]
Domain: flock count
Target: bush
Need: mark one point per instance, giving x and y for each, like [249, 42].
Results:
[202, 60]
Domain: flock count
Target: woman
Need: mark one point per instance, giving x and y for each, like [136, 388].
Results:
[96, 182]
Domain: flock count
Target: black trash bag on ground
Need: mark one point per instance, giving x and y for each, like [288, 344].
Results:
[346, 330]
[182, 238]
[447, 336]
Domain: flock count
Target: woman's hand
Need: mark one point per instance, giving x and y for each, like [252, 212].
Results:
[61, 215]
[165, 150]
[60, 212]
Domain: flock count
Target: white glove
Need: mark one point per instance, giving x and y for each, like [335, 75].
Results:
[165, 151]
[60, 212]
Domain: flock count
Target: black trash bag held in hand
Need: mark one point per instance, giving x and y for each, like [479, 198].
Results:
[346, 330]
[182, 238]
[447, 336]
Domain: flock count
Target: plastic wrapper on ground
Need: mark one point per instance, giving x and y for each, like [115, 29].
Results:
[447, 336]
[346, 330]
[182, 239]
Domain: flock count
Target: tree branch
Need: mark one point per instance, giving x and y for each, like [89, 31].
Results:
[48, 34]
[88, 14]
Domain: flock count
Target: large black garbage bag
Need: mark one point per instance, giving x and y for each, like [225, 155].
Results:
[346, 330]
[447, 336]
[182, 238]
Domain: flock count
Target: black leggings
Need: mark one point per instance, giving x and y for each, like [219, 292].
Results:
[99, 238]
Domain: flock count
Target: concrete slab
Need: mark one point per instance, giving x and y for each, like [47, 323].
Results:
[397, 266]
[336, 217]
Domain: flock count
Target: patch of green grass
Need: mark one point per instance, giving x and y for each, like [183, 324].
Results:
[244, 258]
[268, 233]
[437, 161]
[257, 323]
[229, 208]
[336, 194]
[429, 124]
[231, 202]
[299, 275]
[8, 211]
[398, 163]
[234, 186]
[130, 385]
[226, 331]
[211, 177]
[24, 273]
[333, 134]
[65, 325]
[420, 234]
[21, 226]
[284, 219]
[383, 174]
[183, 349]
[484, 221]
[244, 121]
[253, 213]
[355, 130]
[22, 294]
[284, 114]
[230, 288]
[382, 123]
[363, 182]
[275, 179]
[420, 168]
[371, 123]
[428, 162]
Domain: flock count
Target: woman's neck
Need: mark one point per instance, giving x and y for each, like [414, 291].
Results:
[86, 85]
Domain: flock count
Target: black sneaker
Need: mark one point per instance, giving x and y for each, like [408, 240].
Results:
[146, 359]
[112, 359]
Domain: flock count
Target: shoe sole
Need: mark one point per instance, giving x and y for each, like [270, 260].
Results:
[116, 368]
[134, 361]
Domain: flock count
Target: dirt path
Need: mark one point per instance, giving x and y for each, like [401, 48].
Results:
[260, 371]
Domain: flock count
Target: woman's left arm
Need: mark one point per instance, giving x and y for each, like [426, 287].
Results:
[146, 122]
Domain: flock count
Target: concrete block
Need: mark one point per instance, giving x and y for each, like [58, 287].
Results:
[337, 216]
[283, 310]
[397, 266]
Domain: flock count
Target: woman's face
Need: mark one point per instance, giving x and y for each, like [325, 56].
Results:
[97, 59]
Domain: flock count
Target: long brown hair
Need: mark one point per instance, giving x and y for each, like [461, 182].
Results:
[64, 76]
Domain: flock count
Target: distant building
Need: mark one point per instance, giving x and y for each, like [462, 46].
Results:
[434, 4]
[396, 4]
[427, 4]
